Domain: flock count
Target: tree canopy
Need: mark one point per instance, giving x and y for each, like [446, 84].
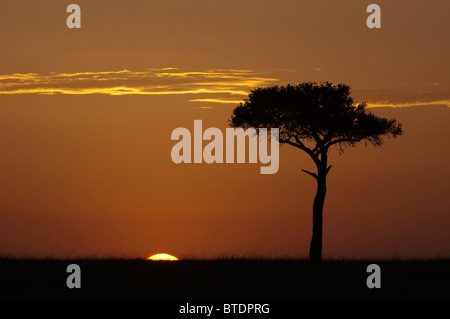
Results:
[324, 114]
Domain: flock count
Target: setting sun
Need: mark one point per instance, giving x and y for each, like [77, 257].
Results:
[165, 257]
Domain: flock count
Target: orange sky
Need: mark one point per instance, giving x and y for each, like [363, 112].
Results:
[86, 117]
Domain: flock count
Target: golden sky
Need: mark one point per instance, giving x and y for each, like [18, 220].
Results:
[86, 117]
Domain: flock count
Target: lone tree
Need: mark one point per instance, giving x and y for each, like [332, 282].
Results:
[313, 117]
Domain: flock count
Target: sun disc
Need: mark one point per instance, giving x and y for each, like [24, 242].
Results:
[165, 257]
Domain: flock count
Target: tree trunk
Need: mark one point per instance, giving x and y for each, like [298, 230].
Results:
[315, 250]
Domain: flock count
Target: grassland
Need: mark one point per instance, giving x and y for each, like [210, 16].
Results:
[253, 278]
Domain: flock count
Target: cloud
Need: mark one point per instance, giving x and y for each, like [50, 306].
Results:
[163, 81]
[402, 97]
[432, 103]
[222, 86]
[223, 101]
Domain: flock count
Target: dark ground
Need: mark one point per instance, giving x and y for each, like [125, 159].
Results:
[224, 279]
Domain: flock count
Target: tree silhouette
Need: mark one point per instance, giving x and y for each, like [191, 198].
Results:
[314, 117]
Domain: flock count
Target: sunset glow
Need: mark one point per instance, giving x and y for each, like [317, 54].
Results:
[87, 116]
[163, 257]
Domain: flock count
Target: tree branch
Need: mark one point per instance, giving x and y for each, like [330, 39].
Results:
[307, 150]
[301, 146]
[316, 149]
[288, 141]
[340, 140]
[310, 173]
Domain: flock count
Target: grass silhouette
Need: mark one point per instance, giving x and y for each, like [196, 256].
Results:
[234, 277]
